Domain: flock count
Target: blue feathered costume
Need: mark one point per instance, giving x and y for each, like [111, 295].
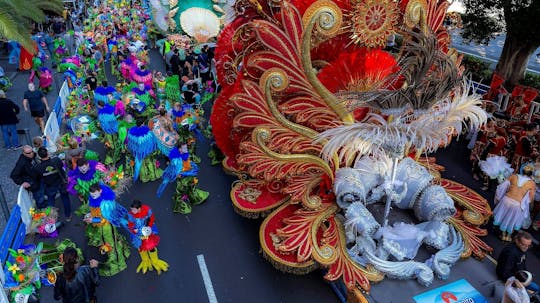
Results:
[180, 165]
[105, 215]
[141, 142]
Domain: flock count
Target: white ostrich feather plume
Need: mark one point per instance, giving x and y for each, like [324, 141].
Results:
[426, 130]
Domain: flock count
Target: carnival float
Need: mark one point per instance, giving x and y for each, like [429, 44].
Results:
[330, 133]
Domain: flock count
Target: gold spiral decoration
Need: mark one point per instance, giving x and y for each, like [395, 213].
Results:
[326, 15]
[275, 79]
[312, 201]
[415, 13]
[473, 217]
[173, 3]
[330, 24]
[326, 255]
[261, 135]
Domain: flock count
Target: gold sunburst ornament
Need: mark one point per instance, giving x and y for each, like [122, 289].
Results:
[373, 21]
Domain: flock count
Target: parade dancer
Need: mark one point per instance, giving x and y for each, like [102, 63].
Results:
[144, 237]
[180, 165]
[86, 174]
[109, 124]
[104, 216]
[512, 200]
[141, 143]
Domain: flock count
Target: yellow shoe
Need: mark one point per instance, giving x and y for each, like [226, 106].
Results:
[158, 264]
[146, 264]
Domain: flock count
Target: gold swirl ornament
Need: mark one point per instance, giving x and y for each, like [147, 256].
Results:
[326, 15]
[415, 13]
[328, 18]
[261, 135]
[173, 3]
[326, 255]
[473, 217]
[275, 80]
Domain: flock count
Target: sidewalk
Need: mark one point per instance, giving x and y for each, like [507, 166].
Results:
[19, 80]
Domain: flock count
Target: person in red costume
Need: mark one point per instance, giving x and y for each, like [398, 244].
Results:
[144, 237]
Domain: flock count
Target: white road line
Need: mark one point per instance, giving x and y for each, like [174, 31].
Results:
[207, 281]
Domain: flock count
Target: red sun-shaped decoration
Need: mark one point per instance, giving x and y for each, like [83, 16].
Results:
[373, 21]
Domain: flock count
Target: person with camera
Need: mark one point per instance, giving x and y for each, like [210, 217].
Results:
[77, 283]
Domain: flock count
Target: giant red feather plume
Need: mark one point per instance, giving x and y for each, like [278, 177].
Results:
[360, 70]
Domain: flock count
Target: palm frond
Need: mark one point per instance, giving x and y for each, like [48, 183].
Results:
[26, 9]
[12, 29]
[55, 6]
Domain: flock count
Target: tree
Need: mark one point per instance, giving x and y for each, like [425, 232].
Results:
[16, 17]
[483, 19]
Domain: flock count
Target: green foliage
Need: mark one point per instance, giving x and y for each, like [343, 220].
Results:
[532, 80]
[484, 19]
[478, 69]
[16, 17]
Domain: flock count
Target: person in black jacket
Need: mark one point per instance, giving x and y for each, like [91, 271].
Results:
[23, 174]
[8, 121]
[176, 63]
[77, 284]
[52, 174]
[513, 258]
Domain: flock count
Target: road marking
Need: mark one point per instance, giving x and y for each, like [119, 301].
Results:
[207, 281]
[490, 258]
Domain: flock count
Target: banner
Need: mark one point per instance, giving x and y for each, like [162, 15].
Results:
[456, 292]
[64, 94]
[52, 131]
[25, 202]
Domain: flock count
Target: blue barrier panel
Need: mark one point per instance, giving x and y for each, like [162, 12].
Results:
[19, 237]
[10, 232]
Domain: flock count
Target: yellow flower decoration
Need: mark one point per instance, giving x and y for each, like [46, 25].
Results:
[14, 269]
[32, 211]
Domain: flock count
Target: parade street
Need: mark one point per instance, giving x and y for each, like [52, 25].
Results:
[229, 246]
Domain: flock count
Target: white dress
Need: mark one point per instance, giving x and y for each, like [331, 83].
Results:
[514, 294]
[510, 214]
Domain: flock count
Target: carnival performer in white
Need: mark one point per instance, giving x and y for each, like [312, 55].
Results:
[513, 197]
